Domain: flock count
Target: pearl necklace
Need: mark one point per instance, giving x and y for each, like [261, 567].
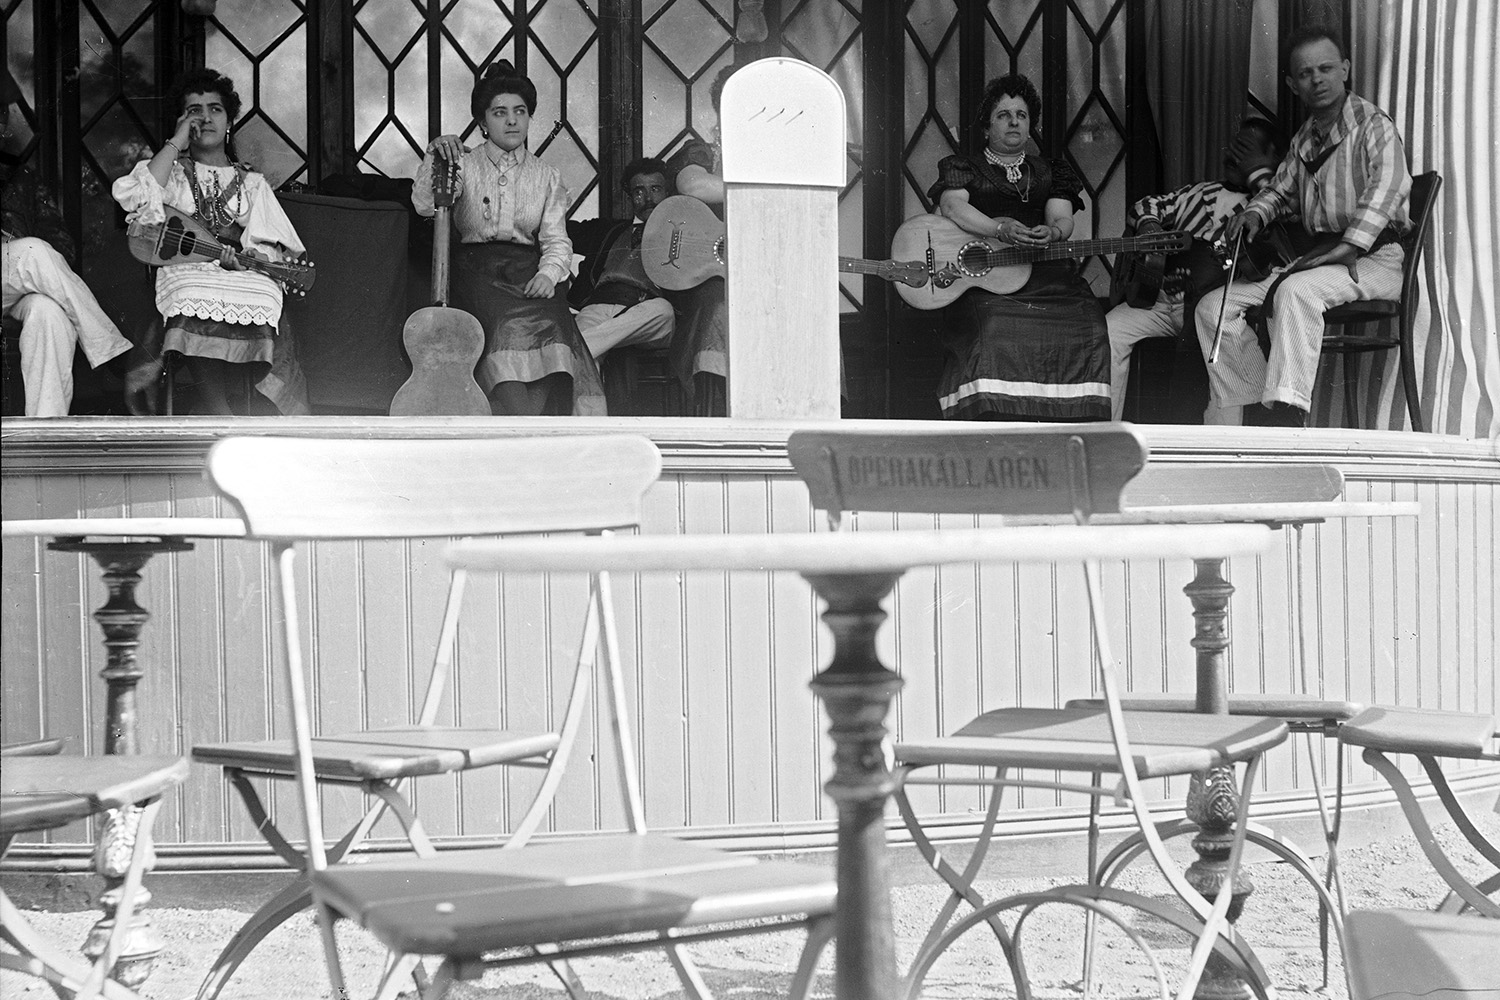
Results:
[1013, 170]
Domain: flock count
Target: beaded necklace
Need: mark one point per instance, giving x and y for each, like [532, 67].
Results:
[1013, 171]
[213, 208]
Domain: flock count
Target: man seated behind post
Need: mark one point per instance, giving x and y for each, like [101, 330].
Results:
[618, 304]
[1201, 210]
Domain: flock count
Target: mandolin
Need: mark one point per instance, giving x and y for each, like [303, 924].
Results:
[444, 344]
[958, 261]
[683, 245]
[181, 239]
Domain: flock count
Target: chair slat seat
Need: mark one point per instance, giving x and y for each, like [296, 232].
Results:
[1289, 707]
[43, 793]
[1415, 955]
[386, 754]
[472, 902]
[1422, 731]
[1075, 739]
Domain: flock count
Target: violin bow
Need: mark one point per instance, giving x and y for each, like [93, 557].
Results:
[1234, 263]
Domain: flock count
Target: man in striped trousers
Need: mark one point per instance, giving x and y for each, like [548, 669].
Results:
[1345, 174]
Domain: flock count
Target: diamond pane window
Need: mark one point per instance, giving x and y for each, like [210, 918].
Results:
[263, 49]
[664, 116]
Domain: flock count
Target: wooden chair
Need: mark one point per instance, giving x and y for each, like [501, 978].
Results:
[1364, 338]
[1074, 472]
[548, 902]
[41, 790]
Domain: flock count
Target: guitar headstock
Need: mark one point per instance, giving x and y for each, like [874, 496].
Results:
[908, 272]
[444, 181]
[296, 276]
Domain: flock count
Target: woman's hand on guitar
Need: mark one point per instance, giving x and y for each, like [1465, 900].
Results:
[1246, 224]
[539, 287]
[231, 262]
[1011, 231]
[449, 147]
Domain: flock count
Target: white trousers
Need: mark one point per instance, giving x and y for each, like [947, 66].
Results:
[1242, 375]
[1129, 326]
[607, 325]
[57, 312]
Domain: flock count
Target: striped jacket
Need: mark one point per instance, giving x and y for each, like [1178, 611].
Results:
[1358, 190]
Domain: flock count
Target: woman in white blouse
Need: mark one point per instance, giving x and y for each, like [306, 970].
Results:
[221, 317]
[511, 266]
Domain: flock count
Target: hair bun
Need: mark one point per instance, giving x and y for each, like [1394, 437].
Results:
[500, 67]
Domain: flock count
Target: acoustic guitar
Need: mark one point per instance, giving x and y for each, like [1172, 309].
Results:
[959, 261]
[444, 344]
[683, 245]
[181, 239]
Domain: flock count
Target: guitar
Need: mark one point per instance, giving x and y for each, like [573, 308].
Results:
[958, 261]
[683, 245]
[444, 344]
[180, 238]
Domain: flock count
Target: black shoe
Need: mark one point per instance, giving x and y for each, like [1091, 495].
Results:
[1277, 414]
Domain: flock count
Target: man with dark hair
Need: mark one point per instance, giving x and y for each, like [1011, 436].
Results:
[1202, 210]
[1346, 177]
[619, 304]
[57, 311]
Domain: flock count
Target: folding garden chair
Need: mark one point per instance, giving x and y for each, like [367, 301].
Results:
[1417, 955]
[41, 790]
[1068, 471]
[540, 902]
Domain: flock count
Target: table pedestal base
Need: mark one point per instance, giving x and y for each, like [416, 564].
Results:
[1213, 799]
[857, 690]
[122, 619]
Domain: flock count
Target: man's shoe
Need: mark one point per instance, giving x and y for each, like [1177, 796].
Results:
[1279, 414]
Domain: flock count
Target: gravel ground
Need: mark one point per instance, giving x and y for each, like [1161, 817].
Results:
[1280, 920]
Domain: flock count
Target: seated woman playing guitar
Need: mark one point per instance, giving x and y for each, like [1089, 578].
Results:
[1041, 353]
[511, 266]
[220, 316]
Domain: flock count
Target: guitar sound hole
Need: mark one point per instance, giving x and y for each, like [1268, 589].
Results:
[721, 253]
[179, 240]
[971, 259]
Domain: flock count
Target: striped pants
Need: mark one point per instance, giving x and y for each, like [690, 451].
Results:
[1242, 373]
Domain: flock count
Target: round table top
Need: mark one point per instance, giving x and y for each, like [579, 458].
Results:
[124, 527]
[853, 552]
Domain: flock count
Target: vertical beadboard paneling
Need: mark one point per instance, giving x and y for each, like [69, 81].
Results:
[717, 666]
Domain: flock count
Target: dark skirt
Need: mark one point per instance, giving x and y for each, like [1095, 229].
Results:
[267, 356]
[525, 339]
[1041, 353]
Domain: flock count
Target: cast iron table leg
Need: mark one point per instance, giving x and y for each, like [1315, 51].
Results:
[1213, 798]
[122, 619]
[857, 690]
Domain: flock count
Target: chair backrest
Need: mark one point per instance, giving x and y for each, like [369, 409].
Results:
[1423, 197]
[314, 488]
[1062, 469]
[1195, 485]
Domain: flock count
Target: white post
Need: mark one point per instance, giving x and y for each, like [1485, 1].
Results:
[781, 122]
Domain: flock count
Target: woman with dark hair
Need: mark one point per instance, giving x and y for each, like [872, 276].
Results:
[511, 266]
[219, 316]
[1041, 353]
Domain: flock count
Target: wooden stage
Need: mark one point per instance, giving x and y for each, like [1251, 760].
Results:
[1400, 610]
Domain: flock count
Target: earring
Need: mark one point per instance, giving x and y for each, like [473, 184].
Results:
[484, 132]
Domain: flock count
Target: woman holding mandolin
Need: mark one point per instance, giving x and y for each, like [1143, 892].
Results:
[1041, 353]
[221, 316]
[511, 266]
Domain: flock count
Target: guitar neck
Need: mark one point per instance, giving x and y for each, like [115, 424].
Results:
[440, 237]
[1063, 251]
[858, 265]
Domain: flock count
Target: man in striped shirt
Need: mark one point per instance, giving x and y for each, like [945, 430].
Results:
[1345, 174]
[1201, 210]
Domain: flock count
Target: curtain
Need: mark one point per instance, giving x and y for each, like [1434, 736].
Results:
[1199, 54]
[1431, 65]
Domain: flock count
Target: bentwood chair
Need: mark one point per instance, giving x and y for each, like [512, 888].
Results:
[548, 902]
[1072, 472]
[42, 790]
[1379, 325]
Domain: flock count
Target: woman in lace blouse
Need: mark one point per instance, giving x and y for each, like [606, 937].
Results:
[513, 258]
[219, 316]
